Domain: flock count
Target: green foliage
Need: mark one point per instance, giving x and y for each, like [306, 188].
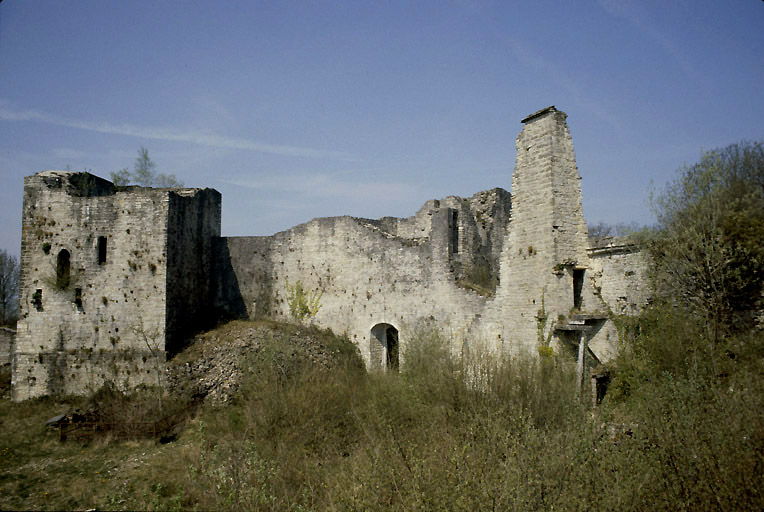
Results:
[468, 431]
[144, 174]
[696, 405]
[228, 477]
[706, 248]
[303, 304]
[84, 184]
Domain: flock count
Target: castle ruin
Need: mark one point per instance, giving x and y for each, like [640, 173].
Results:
[114, 279]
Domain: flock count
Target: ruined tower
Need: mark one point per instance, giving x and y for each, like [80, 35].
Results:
[114, 278]
[111, 279]
[544, 261]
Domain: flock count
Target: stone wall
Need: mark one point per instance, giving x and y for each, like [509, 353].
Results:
[400, 272]
[193, 224]
[618, 273]
[366, 274]
[93, 288]
[113, 278]
[545, 249]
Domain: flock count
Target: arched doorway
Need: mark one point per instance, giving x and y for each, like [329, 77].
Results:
[384, 347]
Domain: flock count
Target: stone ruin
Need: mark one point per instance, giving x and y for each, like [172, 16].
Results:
[116, 279]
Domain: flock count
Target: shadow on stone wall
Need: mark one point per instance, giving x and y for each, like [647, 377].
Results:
[227, 302]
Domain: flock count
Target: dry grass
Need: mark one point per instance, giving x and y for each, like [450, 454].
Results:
[677, 436]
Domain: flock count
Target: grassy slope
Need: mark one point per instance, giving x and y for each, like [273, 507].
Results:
[41, 473]
[682, 430]
[37, 472]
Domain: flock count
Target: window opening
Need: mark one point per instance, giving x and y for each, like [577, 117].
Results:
[455, 231]
[37, 299]
[578, 285]
[78, 298]
[63, 269]
[101, 250]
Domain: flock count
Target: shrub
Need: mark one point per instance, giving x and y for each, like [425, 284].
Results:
[303, 304]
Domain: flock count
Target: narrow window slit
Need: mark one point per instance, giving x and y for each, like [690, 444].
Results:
[101, 250]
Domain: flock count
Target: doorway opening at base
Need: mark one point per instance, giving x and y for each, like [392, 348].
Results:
[385, 347]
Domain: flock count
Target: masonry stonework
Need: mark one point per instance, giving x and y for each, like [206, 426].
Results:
[106, 277]
[115, 279]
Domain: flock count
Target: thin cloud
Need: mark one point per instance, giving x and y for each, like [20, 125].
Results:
[170, 134]
[529, 57]
[526, 55]
[323, 185]
[634, 13]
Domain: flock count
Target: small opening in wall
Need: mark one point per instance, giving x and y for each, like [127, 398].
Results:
[37, 299]
[384, 347]
[455, 231]
[101, 250]
[578, 285]
[78, 298]
[63, 269]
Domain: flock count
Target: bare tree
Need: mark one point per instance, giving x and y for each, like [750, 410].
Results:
[9, 288]
[604, 229]
[152, 337]
[144, 174]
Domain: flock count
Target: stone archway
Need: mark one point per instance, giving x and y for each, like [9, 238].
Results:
[384, 347]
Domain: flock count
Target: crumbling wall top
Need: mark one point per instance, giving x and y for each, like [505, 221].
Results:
[82, 184]
[540, 113]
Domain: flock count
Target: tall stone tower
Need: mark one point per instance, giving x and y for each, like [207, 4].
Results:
[544, 258]
[112, 278]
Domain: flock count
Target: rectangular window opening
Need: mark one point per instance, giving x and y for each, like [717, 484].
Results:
[455, 232]
[578, 285]
[37, 299]
[101, 250]
[78, 298]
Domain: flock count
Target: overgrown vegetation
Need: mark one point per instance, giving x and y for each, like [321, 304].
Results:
[604, 229]
[471, 431]
[303, 304]
[480, 279]
[681, 428]
[706, 249]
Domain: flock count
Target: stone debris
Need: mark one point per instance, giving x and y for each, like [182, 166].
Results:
[212, 366]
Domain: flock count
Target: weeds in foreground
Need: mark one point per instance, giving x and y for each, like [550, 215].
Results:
[492, 433]
[446, 432]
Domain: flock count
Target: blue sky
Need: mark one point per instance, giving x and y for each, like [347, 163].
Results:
[303, 109]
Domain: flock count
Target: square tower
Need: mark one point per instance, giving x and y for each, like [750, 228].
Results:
[112, 279]
[544, 258]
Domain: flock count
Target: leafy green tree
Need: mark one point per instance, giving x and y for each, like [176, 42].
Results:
[9, 288]
[144, 174]
[707, 246]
